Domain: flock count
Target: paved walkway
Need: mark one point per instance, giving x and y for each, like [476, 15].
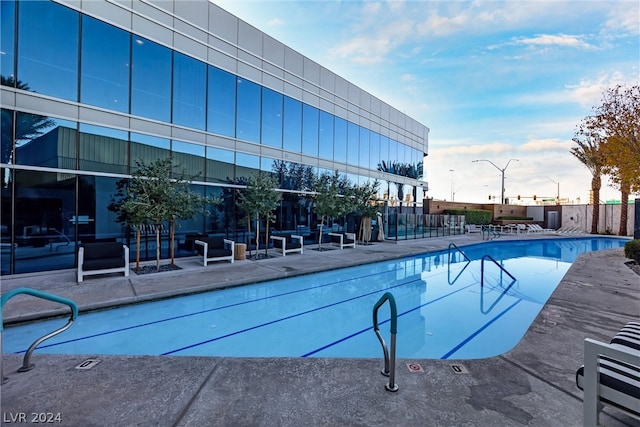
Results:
[531, 385]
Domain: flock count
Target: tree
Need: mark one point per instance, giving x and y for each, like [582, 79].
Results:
[260, 199]
[365, 203]
[152, 196]
[589, 152]
[618, 120]
[332, 198]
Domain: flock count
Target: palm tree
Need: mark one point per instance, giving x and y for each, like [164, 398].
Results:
[589, 152]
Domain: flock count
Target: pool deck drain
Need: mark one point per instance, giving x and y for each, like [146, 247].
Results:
[533, 384]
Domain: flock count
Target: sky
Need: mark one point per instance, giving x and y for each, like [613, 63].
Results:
[493, 80]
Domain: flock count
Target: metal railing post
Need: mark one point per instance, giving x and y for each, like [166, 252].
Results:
[389, 361]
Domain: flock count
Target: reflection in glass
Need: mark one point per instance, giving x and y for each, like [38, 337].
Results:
[292, 125]
[6, 140]
[272, 105]
[150, 80]
[246, 165]
[103, 149]
[147, 148]
[6, 221]
[44, 208]
[48, 55]
[7, 39]
[248, 113]
[310, 117]
[221, 108]
[326, 135]
[105, 65]
[340, 140]
[45, 141]
[384, 149]
[189, 157]
[374, 150]
[189, 91]
[220, 165]
[95, 221]
[363, 157]
[353, 134]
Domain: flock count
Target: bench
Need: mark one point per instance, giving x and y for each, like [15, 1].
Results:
[611, 374]
[288, 244]
[473, 228]
[102, 258]
[343, 240]
[215, 248]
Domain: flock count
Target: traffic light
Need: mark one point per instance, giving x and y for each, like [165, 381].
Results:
[518, 197]
[534, 197]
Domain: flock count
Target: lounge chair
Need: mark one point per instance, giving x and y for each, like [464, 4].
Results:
[102, 258]
[473, 228]
[343, 240]
[215, 249]
[288, 244]
[611, 374]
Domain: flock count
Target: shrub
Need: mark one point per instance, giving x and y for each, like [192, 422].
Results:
[632, 250]
[472, 216]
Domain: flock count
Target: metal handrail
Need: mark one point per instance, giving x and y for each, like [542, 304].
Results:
[26, 366]
[496, 263]
[453, 245]
[389, 362]
[451, 282]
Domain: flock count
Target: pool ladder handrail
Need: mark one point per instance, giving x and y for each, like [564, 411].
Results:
[26, 365]
[389, 361]
[496, 263]
[453, 245]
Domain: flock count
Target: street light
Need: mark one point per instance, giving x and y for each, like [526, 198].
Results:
[501, 170]
[452, 192]
[558, 193]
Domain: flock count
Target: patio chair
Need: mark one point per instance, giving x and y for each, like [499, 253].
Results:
[611, 374]
[102, 258]
[215, 249]
[343, 240]
[288, 244]
[473, 228]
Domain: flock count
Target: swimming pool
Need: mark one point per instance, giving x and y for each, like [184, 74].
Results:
[443, 310]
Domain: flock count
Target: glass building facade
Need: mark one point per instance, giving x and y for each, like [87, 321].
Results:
[91, 88]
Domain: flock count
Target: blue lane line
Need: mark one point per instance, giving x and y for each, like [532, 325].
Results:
[302, 313]
[485, 326]
[195, 313]
[385, 321]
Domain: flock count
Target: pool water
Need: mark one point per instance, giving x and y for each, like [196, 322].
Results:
[443, 311]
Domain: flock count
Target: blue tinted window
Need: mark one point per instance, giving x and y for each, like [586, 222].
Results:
[310, 126]
[384, 149]
[103, 149]
[105, 65]
[150, 80]
[7, 37]
[272, 118]
[147, 148]
[292, 125]
[248, 112]
[340, 140]
[188, 157]
[221, 113]
[247, 165]
[353, 134]
[45, 141]
[220, 165]
[326, 135]
[393, 151]
[374, 150]
[48, 55]
[364, 148]
[189, 91]
[6, 140]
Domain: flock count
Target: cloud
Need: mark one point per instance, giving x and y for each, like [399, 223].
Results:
[562, 40]
[275, 22]
[551, 144]
[622, 17]
[588, 92]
